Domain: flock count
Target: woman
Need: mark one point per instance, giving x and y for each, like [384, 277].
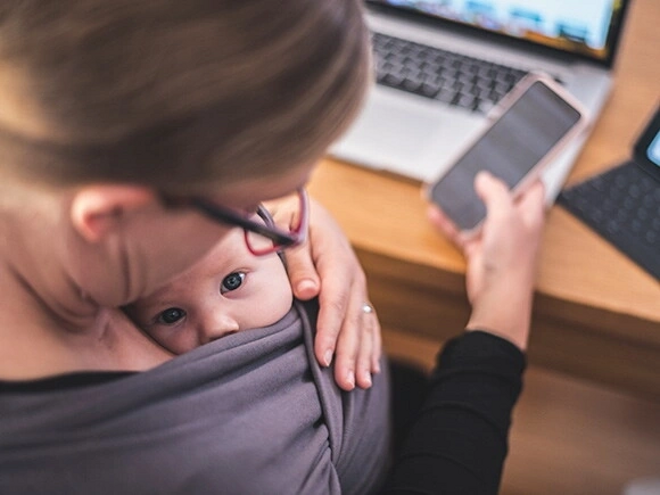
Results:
[133, 136]
[166, 98]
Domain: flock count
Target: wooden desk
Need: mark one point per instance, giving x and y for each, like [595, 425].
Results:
[596, 314]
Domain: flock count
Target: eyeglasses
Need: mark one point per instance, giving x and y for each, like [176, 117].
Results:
[261, 237]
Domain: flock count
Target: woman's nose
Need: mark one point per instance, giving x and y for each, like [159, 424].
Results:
[216, 326]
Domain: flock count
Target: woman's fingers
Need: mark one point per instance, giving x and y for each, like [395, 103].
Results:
[326, 266]
[363, 369]
[334, 318]
[377, 343]
[348, 347]
[532, 204]
[358, 347]
[497, 199]
[495, 194]
[303, 276]
[344, 326]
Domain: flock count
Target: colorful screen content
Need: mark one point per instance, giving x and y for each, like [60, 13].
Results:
[577, 26]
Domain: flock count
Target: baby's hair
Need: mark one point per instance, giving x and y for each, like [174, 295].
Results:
[176, 94]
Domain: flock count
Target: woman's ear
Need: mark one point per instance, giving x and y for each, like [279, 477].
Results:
[97, 210]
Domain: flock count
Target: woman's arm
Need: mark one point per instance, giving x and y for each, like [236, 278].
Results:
[458, 442]
[502, 260]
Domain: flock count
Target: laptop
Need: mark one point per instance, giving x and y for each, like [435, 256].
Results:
[442, 64]
[623, 203]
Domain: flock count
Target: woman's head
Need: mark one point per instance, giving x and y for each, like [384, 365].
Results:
[115, 101]
[173, 95]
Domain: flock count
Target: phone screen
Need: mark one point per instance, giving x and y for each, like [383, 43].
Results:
[509, 149]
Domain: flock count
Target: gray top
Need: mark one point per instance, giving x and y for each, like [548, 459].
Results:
[251, 413]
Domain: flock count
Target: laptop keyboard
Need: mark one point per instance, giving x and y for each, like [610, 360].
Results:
[623, 206]
[442, 75]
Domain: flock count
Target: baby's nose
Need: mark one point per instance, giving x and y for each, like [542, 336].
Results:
[219, 325]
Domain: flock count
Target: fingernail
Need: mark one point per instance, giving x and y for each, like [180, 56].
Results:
[377, 367]
[327, 357]
[481, 176]
[306, 285]
[350, 378]
[366, 379]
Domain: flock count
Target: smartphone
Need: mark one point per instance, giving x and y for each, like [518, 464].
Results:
[529, 126]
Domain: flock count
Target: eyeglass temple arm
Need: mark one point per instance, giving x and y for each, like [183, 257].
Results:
[265, 215]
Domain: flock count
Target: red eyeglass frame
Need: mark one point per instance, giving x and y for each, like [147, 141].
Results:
[281, 239]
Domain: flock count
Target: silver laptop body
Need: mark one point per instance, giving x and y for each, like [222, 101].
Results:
[417, 137]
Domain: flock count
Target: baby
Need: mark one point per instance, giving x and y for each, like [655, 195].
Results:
[229, 291]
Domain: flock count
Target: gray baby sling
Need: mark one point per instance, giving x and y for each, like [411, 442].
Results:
[251, 413]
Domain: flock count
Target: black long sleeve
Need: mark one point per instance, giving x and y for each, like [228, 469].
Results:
[458, 443]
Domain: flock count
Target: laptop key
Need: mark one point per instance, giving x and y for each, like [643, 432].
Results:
[446, 95]
[464, 101]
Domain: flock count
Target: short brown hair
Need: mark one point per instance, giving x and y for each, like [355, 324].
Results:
[176, 94]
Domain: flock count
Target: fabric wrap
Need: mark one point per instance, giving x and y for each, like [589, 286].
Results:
[251, 413]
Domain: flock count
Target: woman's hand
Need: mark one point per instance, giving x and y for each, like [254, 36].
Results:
[326, 266]
[502, 259]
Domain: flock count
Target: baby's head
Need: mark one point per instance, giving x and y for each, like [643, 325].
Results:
[228, 291]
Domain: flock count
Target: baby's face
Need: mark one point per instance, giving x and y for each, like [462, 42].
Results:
[228, 291]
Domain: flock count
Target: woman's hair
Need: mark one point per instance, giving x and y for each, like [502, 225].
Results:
[176, 93]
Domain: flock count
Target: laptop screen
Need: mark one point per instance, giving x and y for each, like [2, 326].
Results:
[589, 28]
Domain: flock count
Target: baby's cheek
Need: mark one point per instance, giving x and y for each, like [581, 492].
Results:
[271, 308]
[179, 341]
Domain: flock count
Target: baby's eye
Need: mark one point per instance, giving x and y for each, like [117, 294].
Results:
[171, 316]
[232, 282]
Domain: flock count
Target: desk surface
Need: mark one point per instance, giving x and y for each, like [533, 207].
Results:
[596, 314]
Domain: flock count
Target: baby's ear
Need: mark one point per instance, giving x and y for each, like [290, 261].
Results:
[98, 210]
